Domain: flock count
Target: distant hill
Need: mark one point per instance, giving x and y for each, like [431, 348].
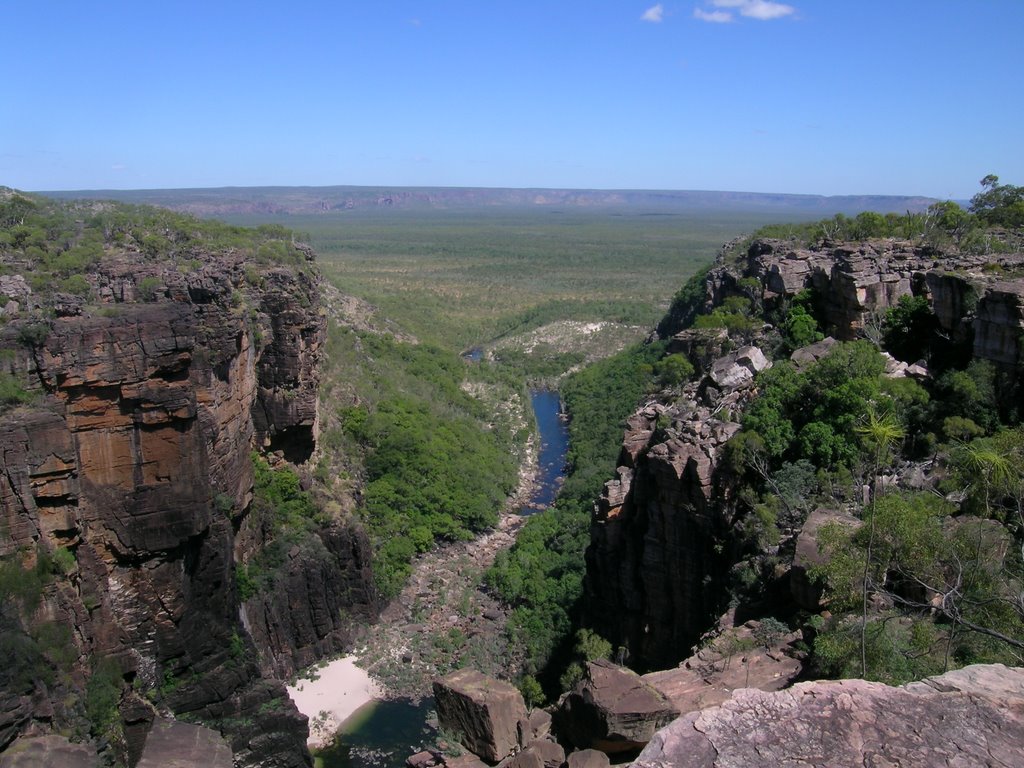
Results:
[225, 201]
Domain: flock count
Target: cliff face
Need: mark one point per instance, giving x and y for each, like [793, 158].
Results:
[665, 533]
[136, 461]
[660, 535]
[975, 304]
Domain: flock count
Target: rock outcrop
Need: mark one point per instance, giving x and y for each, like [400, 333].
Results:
[134, 469]
[972, 716]
[654, 568]
[666, 531]
[612, 710]
[978, 308]
[489, 714]
[746, 656]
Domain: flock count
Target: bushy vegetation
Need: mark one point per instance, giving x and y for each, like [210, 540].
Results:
[286, 515]
[436, 463]
[459, 278]
[541, 576]
[990, 224]
[56, 245]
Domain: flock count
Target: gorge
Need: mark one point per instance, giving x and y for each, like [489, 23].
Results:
[172, 551]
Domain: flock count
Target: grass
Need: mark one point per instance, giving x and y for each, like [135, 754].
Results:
[461, 278]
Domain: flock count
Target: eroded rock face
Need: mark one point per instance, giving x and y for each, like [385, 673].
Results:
[654, 573]
[613, 710]
[972, 716]
[36, 751]
[310, 610]
[854, 282]
[487, 712]
[138, 463]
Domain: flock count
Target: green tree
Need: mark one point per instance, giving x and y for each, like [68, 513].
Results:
[999, 204]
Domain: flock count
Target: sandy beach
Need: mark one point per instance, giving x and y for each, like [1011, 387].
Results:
[339, 690]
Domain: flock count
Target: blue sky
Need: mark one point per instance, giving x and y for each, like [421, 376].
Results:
[808, 96]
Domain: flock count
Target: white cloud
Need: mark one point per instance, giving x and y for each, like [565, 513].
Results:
[762, 10]
[653, 14]
[765, 10]
[715, 17]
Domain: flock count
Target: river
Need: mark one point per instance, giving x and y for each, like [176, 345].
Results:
[384, 733]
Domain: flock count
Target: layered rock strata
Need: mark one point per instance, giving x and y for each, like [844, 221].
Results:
[136, 463]
[978, 300]
[657, 563]
[665, 531]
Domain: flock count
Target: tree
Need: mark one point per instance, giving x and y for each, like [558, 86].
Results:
[999, 204]
[880, 435]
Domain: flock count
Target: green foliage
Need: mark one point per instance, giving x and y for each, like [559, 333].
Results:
[999, 204]
[673, 370]
[533, 693]
[898, 650]
[11, 390]
[102, 694]
[33, 334]
[148, 288]
[813, 415]
[770, 631]
[800, 328]
[64, 561]
[434, 470]
[961, 571]
[908, 328]
[541, 576]
[58, 244]
[288, 517]
[736, 314]
[970, 394]
[688, 302]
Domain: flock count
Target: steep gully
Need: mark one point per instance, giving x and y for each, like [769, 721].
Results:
[444, 594]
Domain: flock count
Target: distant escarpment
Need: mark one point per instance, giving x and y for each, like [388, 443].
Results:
[718, 474]
[145, 358]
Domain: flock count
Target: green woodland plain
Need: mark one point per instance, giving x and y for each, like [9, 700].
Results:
[425, 446]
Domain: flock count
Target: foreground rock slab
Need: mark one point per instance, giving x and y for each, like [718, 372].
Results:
[972, 716]
[35, 751]
[174, 744]
[484, 710]
[613, 710]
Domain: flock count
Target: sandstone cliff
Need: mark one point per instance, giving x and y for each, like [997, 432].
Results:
[131, 470]
[666, 531]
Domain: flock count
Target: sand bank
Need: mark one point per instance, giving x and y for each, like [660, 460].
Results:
[339, 690]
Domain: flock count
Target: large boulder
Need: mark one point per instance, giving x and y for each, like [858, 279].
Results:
[738, 369]
[613, 710]
[588, 758]
[972, 716]
[174, 744]
[485, 711]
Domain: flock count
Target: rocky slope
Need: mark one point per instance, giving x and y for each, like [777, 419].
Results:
[666, 530]
[972, 716]
[131, 471]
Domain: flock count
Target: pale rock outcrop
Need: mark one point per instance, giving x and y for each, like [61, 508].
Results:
[174, 744]
[740, 657]
[971, 716]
